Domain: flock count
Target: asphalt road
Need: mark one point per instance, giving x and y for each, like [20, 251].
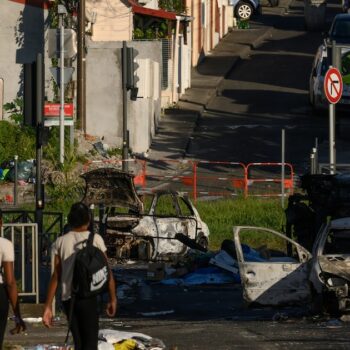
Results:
[264, 93]
[214, 318]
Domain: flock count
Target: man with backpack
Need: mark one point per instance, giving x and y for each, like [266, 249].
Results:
[80, 265]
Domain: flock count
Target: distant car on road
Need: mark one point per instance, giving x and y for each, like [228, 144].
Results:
[319, 68]
[244, 9]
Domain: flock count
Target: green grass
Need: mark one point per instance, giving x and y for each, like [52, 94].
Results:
[222, 215]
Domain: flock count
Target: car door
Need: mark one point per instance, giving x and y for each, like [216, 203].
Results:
[168, 222]
[274, 269]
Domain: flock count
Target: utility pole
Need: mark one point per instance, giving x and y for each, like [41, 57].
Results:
[125, 107]
[39, 203]
[61, 13]
[81, 72]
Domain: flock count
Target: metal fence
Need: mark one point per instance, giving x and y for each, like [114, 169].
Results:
[24, 237]
[167, 62]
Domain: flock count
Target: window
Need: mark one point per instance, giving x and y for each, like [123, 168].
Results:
[185, 208]
[338, 242]
[166, 206]
[264, 246]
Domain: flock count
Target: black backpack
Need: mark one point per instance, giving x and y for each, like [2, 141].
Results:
[91, 271]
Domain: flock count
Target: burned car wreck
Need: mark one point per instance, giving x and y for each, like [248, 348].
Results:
[311, 263]
[141, 226]
[284, 272]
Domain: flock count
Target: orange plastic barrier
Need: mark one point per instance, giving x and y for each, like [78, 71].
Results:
[288, 180]
[211, 178]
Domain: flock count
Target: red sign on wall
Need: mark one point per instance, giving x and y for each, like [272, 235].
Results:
[53, 110]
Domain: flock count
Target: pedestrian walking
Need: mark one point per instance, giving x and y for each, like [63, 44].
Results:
[8, 288]
[83, 317]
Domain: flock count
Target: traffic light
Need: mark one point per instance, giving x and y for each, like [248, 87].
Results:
[29, 94]
[33, 92]
[131, 72]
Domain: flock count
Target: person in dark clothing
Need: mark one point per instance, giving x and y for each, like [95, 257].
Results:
[84, 321]
[8, 288]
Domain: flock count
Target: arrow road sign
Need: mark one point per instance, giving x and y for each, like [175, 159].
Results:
[68, 72]
[333, 85]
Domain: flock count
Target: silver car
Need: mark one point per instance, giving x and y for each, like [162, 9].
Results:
[320, 66]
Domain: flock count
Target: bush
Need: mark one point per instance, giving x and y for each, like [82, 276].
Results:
[16, 140]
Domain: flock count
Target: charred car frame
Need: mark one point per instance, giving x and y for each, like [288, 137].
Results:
[312, 261]
[141, 226]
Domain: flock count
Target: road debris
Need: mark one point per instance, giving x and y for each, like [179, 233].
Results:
[157, 313]
[143, 341]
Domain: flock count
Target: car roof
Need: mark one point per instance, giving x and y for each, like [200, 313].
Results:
[342, 17]
[340, 224]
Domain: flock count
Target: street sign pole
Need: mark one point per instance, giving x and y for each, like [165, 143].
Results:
[332, 165]
[61, 11]
[333, 88]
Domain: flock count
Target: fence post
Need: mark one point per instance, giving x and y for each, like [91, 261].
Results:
[144, 169]
[283, 166]
[195, 181]
[15, 188]
[246, 181]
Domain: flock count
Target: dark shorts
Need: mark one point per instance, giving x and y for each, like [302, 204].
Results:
[4, 310]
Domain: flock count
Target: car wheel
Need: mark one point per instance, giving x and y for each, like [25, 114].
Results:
[202, 240]
[243, 10]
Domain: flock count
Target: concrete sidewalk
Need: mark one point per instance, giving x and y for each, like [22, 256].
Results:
[177, 125]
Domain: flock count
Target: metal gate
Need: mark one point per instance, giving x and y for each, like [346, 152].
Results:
[25, 240]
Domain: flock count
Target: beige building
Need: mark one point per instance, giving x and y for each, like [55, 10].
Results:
[211, 21]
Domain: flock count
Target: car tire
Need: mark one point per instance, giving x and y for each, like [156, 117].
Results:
[243, 10]
[202, 240]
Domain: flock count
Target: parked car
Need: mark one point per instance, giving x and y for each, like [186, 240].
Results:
[340, 29]
[320, 66]
[244, 9]
[288, 273]
[141, 225]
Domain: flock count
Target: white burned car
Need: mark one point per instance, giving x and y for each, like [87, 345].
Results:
[284, 272]
[141, 226]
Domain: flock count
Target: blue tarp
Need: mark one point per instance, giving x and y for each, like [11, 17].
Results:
[204, 275]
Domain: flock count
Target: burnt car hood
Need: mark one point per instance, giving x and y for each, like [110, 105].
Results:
[111, 187]
[335, 265]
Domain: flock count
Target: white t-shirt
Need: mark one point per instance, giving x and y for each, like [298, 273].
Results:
[7, 254]
[66, 248]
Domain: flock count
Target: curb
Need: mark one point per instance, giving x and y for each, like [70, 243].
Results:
[254, 45]
[258, 41]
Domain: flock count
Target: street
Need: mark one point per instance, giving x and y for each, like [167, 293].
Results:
[265, 92]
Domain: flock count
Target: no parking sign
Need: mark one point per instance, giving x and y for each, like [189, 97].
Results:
[333, 85]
